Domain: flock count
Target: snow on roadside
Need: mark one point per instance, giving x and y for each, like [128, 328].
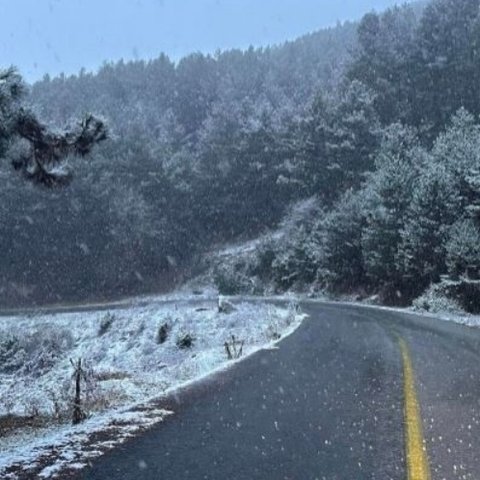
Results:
[128, 367]
[49, 451]
[460, 317]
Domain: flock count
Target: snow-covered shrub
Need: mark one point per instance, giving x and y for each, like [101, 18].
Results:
[110, 374]
[434, 300]
[103, 398]
[451, 296]
[32, 406]
[294, 309]
[44, 347]
[12, 354]
[60, 400]
[230, 279]
[34, 352]
[105, 324]
[274, 326]
[224, 306]
[163, 332]
[272, 331]
[185, 341]
[8, 402]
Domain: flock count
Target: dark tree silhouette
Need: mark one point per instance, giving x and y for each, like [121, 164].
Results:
[44, 161]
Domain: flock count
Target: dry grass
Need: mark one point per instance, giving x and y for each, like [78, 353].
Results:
[107, 375]
[11, 423]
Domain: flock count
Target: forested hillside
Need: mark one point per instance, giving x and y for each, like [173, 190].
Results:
[193, 157]
[376, 122]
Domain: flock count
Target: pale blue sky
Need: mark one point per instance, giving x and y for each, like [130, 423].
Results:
[51, 36]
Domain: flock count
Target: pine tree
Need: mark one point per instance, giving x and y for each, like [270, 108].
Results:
[435, 206]
[447, 50]
[390, 190]
[337, 143]
[41, 162]
[341, 258]
[463, 249]
[383, 61]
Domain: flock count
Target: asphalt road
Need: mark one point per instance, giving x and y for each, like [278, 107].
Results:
[329, 404]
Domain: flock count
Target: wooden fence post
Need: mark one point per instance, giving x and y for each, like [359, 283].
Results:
[79, 374]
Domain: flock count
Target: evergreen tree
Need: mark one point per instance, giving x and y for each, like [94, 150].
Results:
[447, 50]
[383, 61]
[434, 208]
[390, 190]
[47, 149]
[338, 142]
[463, 249]
[341, 265]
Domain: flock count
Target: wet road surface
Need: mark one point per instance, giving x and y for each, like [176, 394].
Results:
[330, 403]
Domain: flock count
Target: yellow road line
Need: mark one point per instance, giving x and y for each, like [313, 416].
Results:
[417, 460]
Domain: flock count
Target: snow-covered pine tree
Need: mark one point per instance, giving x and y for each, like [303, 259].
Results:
[390, 190]
[435, 206]
[47, 149]
[463, 249]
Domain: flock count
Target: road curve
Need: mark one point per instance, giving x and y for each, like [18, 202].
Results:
[330, 403]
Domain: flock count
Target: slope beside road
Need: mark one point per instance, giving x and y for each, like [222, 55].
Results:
[332, 402]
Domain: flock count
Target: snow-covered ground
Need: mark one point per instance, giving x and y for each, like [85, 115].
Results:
[458, 316]
[126, 367]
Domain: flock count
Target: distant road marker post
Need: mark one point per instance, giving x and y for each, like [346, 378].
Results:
[418, 467]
